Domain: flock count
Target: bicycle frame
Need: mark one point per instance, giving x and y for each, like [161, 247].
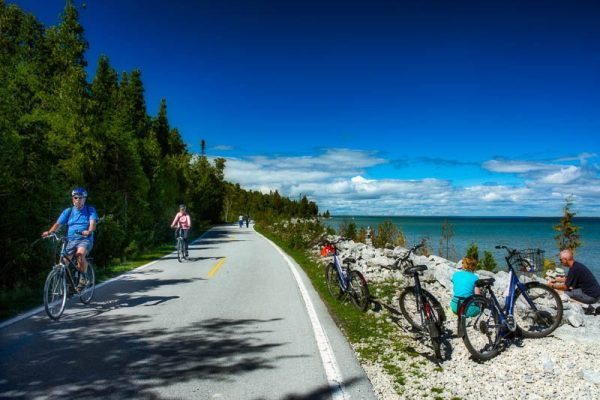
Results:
[506, 313]
[343, 279]
[67, 263]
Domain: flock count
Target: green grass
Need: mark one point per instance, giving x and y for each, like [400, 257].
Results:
[23, 298]
[375, 339]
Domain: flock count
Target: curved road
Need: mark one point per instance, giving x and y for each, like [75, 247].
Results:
[231, 323]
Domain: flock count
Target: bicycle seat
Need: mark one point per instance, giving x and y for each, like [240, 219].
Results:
[350, 260]
[485, 282]
[415, 268]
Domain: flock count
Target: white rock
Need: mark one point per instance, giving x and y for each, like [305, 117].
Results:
[590, 376]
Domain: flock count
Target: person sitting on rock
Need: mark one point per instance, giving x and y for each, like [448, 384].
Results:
[579, 284]
[464, 286]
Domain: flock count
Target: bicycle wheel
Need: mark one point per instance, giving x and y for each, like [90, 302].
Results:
[538, 311]
[410, 311]
[87, 292]
[179, 250]
[55, 293]
[333, 281]
[480, 327]
[434, 329]
[359, 291]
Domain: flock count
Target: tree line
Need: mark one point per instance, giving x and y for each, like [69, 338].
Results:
[59, 129]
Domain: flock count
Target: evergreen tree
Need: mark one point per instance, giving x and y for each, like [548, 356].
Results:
[568, 236]
[446, 249]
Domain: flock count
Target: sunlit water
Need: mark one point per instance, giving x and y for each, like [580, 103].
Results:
[487, 232]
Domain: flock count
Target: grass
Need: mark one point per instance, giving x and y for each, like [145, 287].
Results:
[23, 298]
[374, 339]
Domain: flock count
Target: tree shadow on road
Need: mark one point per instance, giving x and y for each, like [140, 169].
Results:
[117, 356]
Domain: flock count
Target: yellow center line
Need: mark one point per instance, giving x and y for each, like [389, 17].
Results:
[216, 268]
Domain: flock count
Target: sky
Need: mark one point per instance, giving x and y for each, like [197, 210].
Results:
[375, 107]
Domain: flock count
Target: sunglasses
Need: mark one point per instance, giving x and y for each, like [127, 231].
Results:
[78, 197]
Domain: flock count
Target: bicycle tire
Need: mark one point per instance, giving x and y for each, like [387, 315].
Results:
[86, 294]
[359, 291]
[540, 323]
[333, 281]
[435, 333]
[179, 249]
[481, 332]
[408, 308]
[55, 293]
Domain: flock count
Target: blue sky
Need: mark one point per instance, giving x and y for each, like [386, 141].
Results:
[374, 107]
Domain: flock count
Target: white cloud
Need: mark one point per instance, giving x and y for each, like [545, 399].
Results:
[338, 181]
[564, 176]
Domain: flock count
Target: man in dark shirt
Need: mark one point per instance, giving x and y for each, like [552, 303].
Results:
[580, 284]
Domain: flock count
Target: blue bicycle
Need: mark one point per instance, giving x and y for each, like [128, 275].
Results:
[342, 281]
[532, 309]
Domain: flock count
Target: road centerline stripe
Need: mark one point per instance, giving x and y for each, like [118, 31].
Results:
[216, 268]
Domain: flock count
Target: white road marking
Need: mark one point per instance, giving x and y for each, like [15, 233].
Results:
[332, 371]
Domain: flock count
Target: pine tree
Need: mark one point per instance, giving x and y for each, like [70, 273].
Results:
[568, 236]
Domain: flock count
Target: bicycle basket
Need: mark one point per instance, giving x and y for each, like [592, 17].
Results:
[533, 260]
[327, 250]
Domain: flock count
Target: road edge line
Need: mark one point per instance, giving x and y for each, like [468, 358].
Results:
[332, 370]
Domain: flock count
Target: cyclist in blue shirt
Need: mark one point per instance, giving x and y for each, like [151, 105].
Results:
[464, 286]
[81, 221]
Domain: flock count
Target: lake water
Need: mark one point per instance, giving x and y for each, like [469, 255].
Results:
[487, 232]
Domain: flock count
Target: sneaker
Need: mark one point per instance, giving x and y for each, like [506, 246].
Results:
[82, 283]
[590, 310]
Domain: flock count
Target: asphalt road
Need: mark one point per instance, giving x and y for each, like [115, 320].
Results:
[239, 320]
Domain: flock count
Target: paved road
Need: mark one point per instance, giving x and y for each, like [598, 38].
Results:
[231, 323]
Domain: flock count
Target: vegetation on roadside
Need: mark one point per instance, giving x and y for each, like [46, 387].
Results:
[60, 128]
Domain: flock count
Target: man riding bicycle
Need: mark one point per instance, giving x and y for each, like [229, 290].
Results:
[81, 221]
[183, 221]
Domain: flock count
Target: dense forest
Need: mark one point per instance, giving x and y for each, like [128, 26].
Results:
[60, 128]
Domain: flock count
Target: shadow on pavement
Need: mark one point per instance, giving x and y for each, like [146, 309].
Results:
[120, 357]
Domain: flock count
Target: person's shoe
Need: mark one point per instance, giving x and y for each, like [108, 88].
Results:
[597, 312]
[82, 283]
[590, 310]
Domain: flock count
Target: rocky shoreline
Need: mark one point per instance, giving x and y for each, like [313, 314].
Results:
[563, 365]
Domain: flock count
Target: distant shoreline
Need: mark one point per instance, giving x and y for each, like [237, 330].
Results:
[461, 217]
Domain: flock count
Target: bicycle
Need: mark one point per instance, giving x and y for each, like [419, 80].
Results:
[532, 309]
[182, 253]
[62, 281]
[343, 281]
[419, 307]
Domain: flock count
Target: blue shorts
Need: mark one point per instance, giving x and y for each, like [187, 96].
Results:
[73, 245]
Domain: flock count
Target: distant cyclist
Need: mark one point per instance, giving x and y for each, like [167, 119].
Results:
[81, 220]
[183, 221]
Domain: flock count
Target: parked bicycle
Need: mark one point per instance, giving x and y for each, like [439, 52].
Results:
[532, 309]
[343, 281]
[63, 281]
[182, 253]
[419, 307]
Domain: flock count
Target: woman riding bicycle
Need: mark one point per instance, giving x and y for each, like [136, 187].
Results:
[183, 221]
[81, 221]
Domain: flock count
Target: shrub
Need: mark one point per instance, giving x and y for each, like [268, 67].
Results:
[473, 252]
[387, 233]
[348, 229]
[489, 263]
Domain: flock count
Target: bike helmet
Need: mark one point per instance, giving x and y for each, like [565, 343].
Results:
[182, 207]
[79, 191]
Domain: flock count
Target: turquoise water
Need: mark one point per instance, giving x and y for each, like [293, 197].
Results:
[487, 232]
